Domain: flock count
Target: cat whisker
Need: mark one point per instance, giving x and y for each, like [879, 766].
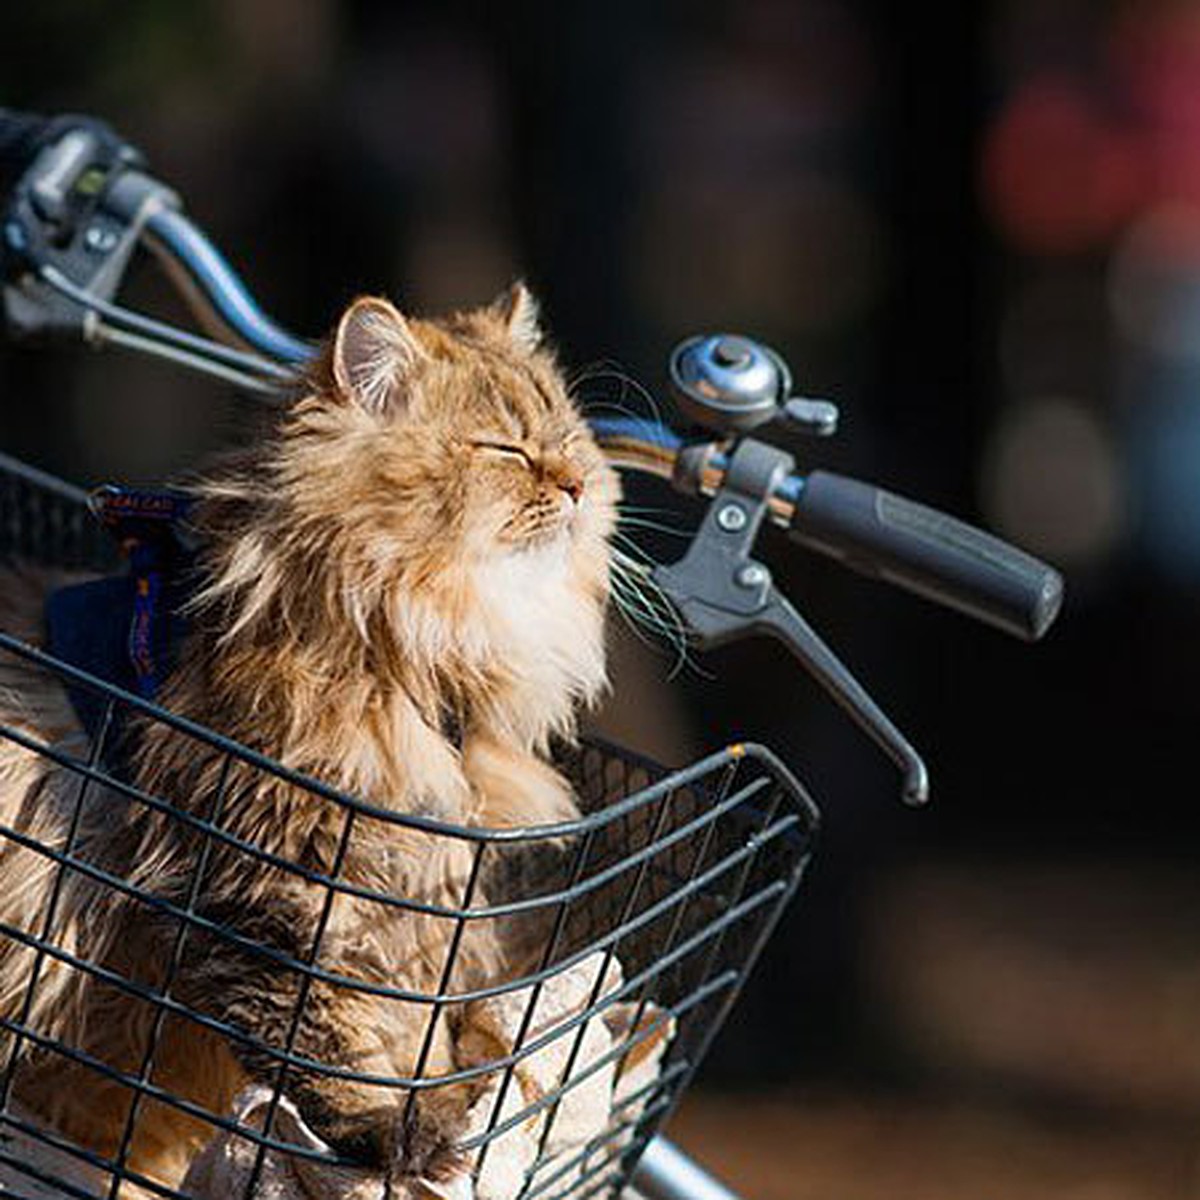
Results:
[600, 368]
[654, 526]
[629, 546]
[635, 556]
[605, 404]
[644, 510]
[627, 506]
[628, 384]
[639, 616]
[639, 620]
[642, 602]
[635, 617]
[677, 631]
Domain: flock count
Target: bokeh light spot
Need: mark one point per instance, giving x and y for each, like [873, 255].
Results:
[1052, 481]
[1165, 451]
[1154, 282]
[1059, 176]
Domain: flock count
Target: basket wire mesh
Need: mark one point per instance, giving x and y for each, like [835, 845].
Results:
[655, 904]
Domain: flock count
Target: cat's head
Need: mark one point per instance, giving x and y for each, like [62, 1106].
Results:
[437, 473]
[466, 426]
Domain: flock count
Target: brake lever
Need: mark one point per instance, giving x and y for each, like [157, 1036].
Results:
[723, 594]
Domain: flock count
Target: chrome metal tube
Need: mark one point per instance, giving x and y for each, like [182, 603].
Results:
[666, 1173]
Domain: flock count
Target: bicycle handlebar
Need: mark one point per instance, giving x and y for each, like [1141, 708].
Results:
[925, 551]
[179, 245]
[872, 531]
[66, 283]
[876, 533]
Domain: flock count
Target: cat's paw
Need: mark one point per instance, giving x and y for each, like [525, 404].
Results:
[401, 1144]
[512, 788]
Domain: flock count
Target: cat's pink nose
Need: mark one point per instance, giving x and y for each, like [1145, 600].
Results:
[572, 485]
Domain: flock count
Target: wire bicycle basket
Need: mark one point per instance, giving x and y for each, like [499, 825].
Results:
[649, 912]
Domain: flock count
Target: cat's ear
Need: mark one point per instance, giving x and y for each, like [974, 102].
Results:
[518, 309]
[373, 351]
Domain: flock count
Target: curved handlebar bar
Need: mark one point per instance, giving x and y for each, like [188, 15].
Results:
[69, 270]
[873, 531]
[180, 246]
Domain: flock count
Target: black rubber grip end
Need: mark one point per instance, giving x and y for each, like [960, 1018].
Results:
[928, 552]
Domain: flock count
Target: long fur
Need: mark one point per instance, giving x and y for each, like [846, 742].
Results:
[402, 594]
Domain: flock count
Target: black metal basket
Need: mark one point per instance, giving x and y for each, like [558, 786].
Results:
[677, 876]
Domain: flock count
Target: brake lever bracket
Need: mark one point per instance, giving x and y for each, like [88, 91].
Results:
[56, 220]
[724, 593]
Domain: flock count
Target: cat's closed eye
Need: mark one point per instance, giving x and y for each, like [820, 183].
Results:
[507, 448]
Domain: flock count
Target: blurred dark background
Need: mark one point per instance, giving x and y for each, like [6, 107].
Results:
[979, 232]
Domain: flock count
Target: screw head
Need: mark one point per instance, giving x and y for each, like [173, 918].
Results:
[731, 518]
[99, 240]
[752, 575]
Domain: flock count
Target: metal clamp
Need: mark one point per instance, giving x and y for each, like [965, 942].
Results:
[64, 217]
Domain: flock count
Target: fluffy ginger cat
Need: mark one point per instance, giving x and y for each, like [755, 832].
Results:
[401, 593]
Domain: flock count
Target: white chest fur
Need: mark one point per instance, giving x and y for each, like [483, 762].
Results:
[541, 619]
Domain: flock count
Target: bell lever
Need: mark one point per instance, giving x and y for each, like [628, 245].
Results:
[724, 594]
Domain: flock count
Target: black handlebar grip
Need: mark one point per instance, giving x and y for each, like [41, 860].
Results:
[925, 551]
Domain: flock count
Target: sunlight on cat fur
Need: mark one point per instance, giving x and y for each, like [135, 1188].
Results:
[403, 595]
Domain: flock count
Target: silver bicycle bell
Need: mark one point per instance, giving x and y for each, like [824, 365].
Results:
[733, 384]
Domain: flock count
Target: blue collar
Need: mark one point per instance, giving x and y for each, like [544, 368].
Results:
[125, 629]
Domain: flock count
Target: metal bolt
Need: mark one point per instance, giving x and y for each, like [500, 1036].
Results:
[732, 352]
[731, 518]
[99, 240]
[752, 575]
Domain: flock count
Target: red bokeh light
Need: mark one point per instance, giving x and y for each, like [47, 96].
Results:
[1060, 176]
